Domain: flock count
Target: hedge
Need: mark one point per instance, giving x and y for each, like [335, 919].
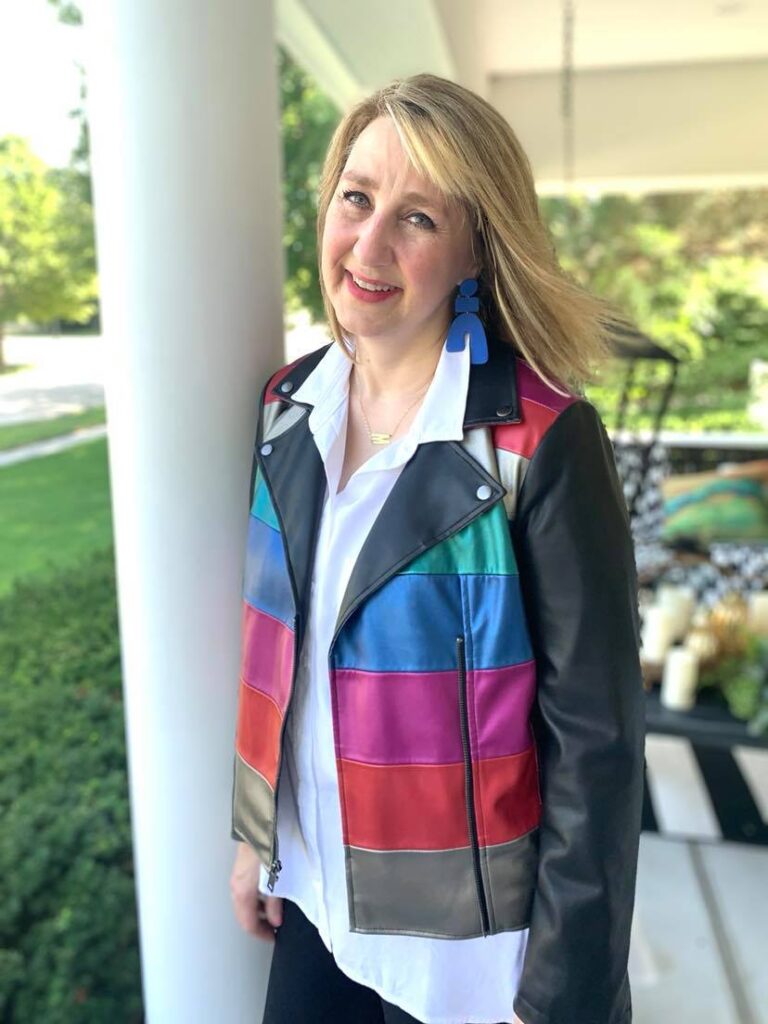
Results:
[69, 944]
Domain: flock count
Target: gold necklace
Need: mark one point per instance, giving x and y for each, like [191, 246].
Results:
[380, 437]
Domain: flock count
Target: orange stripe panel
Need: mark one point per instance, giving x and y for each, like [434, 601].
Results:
[509, 804]
[258, 731]
[403, 807]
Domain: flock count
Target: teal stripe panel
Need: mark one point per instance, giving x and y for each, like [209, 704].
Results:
[483, 547]
[262, 506]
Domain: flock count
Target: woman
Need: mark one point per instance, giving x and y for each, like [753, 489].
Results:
[438, 774]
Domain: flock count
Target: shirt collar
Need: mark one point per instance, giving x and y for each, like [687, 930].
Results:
[440, 416]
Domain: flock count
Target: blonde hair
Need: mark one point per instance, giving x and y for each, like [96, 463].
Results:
[463, 145]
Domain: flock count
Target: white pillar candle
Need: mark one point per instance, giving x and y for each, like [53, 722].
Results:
[681, 601]
[678, 684]
[757, 614]
[658, 632]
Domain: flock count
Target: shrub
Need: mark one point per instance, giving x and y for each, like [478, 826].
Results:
[68, 922]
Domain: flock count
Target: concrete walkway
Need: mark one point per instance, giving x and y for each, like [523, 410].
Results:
[51, 445]
[64, 375]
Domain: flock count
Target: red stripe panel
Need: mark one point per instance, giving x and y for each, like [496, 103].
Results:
[275, 379]
[266, 661]
[508, 805]
[403, 807]
[523, 438]
[258, 732]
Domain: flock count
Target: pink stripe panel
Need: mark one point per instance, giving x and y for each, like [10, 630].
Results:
[530, 386]
[413, 717]
[398, 717]
[500, 701]
[267, 654]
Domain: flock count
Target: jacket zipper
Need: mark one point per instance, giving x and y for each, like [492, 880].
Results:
[468, 784]
[275, 866]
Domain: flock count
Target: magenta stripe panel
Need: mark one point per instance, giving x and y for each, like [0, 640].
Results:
[501, 700]
[530, 386]
[413, 717]
[267, 654]
[399, 717]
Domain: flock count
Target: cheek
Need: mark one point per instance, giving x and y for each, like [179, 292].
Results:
[336, 240]
[431, 273]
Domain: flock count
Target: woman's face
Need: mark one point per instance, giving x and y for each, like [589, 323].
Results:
[388, 227]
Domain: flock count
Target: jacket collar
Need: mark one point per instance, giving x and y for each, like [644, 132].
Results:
[492, 396]
[440, 490]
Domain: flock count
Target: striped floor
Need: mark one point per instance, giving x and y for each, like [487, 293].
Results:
[703, 792]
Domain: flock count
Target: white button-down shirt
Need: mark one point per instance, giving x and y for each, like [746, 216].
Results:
[438, 981]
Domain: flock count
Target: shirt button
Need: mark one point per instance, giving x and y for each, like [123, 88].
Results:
[266, 449]
[286, 386]
[504, 410]
[483, 492]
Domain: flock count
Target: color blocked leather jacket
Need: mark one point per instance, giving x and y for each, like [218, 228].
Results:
[486, 690]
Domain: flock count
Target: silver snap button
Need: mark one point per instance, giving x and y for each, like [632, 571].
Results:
[504, 410]
[286, 386]
[266, 449]
[483, 492]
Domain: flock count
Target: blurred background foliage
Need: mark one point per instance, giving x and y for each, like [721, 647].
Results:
[691, 271]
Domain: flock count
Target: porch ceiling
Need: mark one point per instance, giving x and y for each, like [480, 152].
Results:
[665, 95]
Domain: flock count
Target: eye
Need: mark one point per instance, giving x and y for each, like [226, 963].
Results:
[426, 222]
[360, 201]
[353, 197]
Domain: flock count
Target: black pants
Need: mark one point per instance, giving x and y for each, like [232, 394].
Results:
[307, 987]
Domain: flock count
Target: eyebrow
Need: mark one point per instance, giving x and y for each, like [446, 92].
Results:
[414, 197]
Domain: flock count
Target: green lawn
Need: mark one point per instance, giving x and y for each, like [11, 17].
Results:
[40, 430]
[53, 511]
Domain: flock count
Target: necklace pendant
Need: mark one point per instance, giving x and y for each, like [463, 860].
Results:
[380, 438]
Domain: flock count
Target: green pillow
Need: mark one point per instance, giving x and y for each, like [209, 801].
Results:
[710, 507]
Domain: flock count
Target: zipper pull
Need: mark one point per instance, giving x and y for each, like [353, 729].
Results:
[275, 868]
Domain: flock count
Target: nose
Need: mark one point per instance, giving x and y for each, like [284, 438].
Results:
[373, 246]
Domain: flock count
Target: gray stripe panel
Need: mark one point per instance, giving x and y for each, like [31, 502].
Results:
[478, 441]
[512, 468]
[433, 893]
[278, 419]
[253, 808]
[507, 467]
[511, 870]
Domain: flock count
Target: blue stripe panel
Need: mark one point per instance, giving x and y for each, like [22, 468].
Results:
[266, 584]
[411, 624]
[262, 506]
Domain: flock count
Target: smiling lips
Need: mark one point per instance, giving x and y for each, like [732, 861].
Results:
[369, 291]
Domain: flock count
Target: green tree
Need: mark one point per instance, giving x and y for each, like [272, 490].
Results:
[47, 267]
[308, 121]
[690, 270]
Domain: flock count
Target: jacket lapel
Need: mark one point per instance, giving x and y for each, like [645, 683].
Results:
[295, 476]
[435, 495]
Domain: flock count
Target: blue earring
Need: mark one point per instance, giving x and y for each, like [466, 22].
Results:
[467, 325]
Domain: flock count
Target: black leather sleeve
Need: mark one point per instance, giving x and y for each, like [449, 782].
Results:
[579, 583]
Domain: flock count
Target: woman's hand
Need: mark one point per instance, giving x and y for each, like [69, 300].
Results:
[256, 914]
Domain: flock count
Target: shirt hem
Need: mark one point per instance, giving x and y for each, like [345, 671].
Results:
[392, 997]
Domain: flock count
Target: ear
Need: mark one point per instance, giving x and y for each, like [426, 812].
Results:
[472, 271]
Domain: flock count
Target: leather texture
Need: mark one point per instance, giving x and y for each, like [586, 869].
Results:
[485, 681]
[577, 572]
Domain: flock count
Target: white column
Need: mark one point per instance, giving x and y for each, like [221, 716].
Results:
[184, 116]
